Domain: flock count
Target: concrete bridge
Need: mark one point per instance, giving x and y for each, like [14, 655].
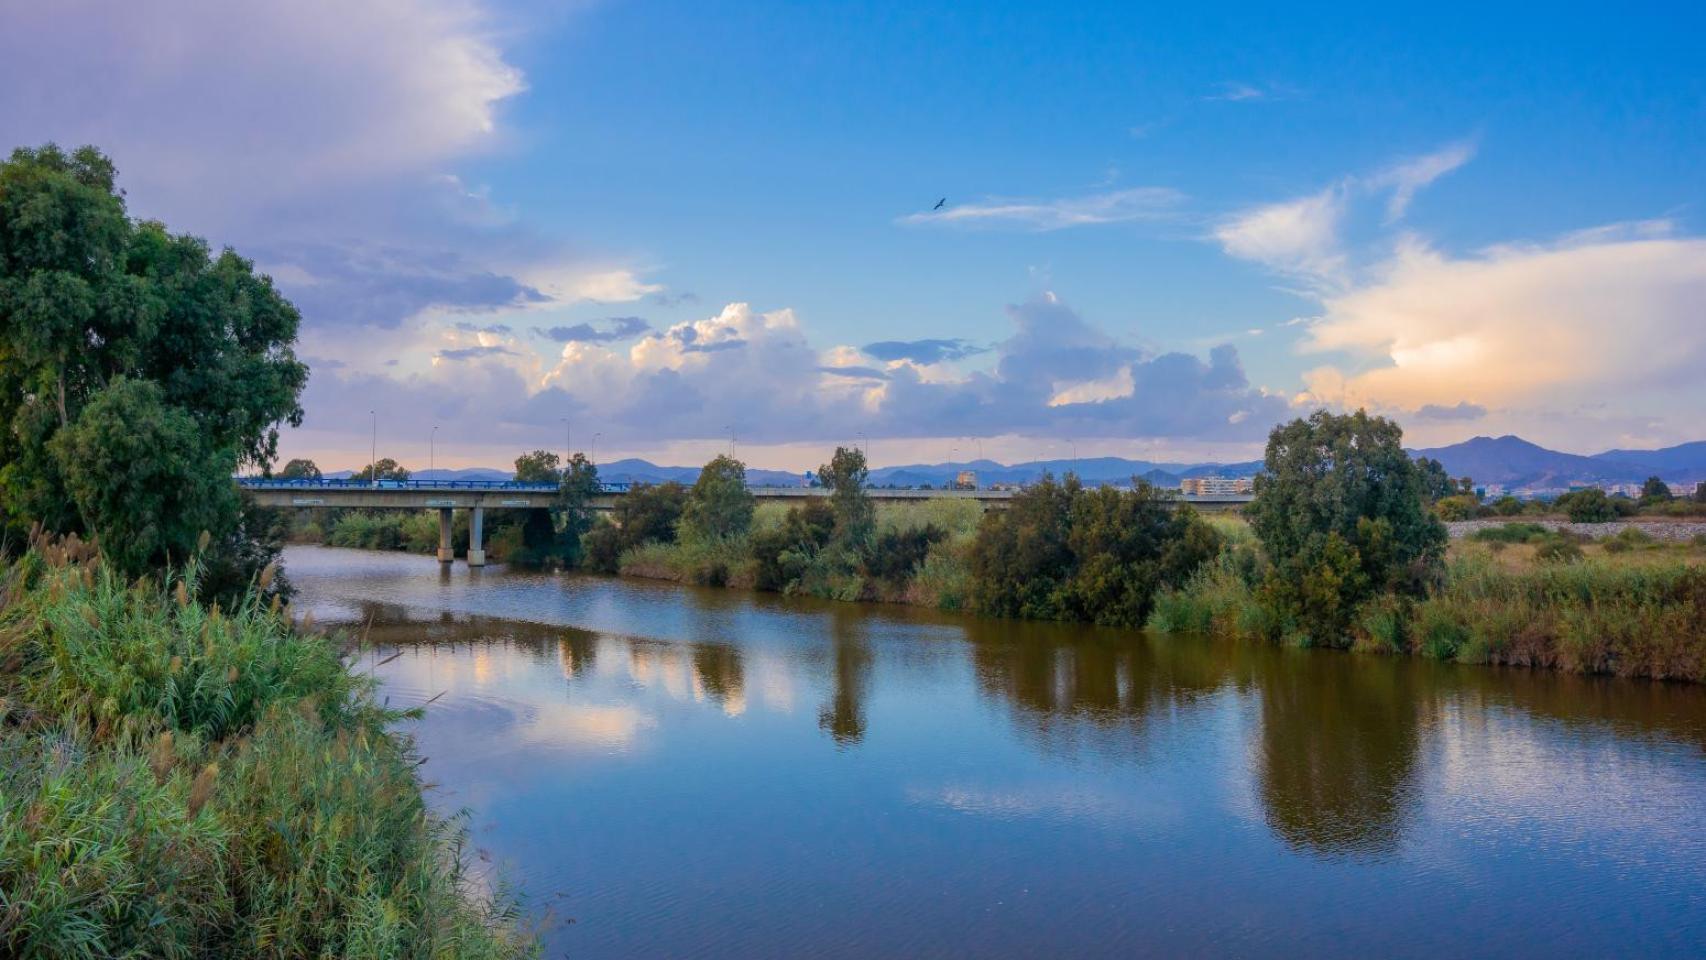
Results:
[480, 495]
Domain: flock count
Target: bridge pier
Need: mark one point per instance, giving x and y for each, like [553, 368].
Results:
[446, 551]
[476, 538]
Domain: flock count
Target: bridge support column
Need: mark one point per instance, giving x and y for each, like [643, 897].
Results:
[476, 538]
[446, 552]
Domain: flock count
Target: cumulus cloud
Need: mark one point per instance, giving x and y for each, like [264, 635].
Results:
[469, 353]
[1055, 372]
[618, 328]
[1302, 237]
[1609, 312]
[923, 351]
[318, 137]
[1137, 203]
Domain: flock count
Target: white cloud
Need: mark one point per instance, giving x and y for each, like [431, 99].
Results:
[317, 137]
[1303, 238]
[1407, 178]
[1138, 203]
[1614, 315]
[1298, 236]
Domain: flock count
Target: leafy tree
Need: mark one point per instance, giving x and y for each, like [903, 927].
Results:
[1342, 512]
[1125, 545]
[845, 476]
[719, 505]
[651, 512]
[1436, 484]
[896, 554]
[646, 513]
[300, 469]
[1655, 491]
[385, 468]
[573, 514]
[1458, 506]
[90, 298]
[141, 474]
[780, 554]
[1021, 554]
[1507, 506]
[540, 466]
[1589, 505]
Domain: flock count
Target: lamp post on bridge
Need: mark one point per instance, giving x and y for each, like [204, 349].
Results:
[595, 448]
[432, 450]
[373, 451]
[568, 442]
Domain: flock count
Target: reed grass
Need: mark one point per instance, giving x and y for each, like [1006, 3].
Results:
[178, 780]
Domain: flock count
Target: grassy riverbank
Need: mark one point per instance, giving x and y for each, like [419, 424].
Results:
[178, 780]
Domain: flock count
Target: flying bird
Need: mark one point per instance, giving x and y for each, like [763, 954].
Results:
[938, 205]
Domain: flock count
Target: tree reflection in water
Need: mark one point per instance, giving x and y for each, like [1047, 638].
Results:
[843, 718]
[1339, 743]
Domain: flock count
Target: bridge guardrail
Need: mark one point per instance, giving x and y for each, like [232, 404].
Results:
[276, 483]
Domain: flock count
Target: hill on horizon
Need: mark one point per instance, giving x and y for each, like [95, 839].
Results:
[1509, 461]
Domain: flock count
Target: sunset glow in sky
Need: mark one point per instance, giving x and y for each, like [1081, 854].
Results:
[1164, 230]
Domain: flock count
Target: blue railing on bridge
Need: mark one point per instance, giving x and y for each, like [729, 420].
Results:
[278, 483]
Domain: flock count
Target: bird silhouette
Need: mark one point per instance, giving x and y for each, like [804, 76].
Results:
[939, 204]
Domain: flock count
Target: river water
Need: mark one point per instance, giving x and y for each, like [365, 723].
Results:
[673, 772]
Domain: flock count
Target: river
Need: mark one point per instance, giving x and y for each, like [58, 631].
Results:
[675, 772]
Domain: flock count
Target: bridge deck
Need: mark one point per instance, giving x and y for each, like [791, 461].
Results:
[507, 494]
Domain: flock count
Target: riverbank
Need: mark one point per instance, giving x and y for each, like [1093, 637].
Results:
[181, 780]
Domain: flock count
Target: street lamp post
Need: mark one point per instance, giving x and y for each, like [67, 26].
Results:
[432, 450]
[568, 441]
[373, 451]
[595, 448]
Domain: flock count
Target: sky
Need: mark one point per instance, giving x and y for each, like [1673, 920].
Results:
[936, 230]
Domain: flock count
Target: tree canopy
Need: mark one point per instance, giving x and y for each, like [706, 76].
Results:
[1342, 512]
[845, 476]
[300, 469]
[104, 319]
[384, 468]
[719, 505]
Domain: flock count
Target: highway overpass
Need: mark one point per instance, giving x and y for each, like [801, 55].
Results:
[482, 495]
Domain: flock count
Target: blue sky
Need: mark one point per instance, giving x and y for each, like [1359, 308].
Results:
[1165, 230]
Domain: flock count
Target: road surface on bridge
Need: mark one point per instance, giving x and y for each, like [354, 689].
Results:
[482, 495]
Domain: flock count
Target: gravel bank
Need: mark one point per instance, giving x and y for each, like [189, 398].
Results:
[1679, 531]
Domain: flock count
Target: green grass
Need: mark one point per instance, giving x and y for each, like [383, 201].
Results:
[183, 781]
[1599, 614]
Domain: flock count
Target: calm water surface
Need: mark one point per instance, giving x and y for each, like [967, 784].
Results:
[695, 773]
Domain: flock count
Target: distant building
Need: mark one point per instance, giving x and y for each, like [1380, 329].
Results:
[1216, 486]
[966, 480]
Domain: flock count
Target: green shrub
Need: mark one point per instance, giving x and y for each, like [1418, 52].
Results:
[1557, 548]
[181, 781]
[1515, 532]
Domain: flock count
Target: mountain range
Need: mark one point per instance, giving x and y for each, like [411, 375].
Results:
[1508, 461]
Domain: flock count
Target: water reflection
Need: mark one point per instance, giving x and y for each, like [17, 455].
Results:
[1339, 745]
[954, 786]
[843, 717]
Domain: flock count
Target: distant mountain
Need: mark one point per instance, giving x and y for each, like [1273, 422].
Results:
[1093, 470]
[471, 473]
[1685, 461]
[1509, 461]
[1516, 463]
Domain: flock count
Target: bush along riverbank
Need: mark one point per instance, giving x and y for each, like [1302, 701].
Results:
[1343, 548]
[181, 780]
